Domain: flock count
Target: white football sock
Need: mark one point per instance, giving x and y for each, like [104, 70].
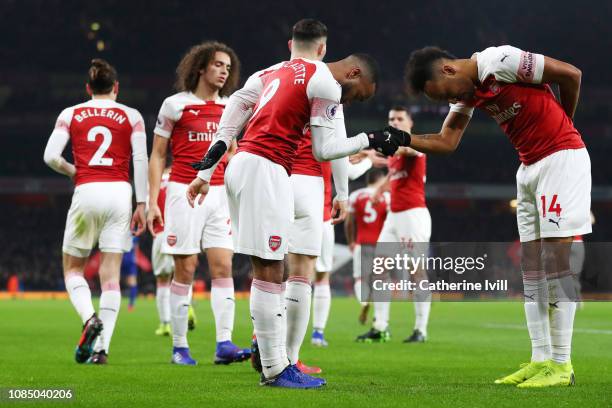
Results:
[162, 298]
[422, 306]
[223, 306]
[381, 315]
[283, 338]
[536, 314]
[357, 290]
[321, 303]
[110, 303]
[297, 298]
[179, 310]
[80, 295]
[267, 317]
[562, 311]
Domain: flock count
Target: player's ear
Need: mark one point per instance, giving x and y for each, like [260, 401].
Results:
[322, 50]
[354, 73]
[448, 69]
[116, 88]
[290, 45]
[88, 90]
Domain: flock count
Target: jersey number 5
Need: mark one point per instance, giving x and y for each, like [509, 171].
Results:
[98, 158]
[370, 213]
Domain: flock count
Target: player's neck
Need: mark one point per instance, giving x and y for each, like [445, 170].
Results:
[304, 55]
[206, 92]
[470, 67]
[109, 97]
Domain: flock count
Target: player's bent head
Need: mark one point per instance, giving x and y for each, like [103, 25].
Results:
[101, 78]
[431, 70]
[309, 35]
[359, 78]
[211, 62]
[374, 175]
[400, 118]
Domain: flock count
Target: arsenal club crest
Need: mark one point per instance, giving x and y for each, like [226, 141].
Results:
[274, 242]
[171, 239]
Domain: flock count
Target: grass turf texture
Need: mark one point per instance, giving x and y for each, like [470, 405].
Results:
[455, 368]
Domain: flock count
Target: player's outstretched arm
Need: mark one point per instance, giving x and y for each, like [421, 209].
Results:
[447, 140]
[568, 77]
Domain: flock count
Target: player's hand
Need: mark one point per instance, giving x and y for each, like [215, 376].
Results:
[339, 211]
[388, 140]
[352, 246]
[154, 218]
[358, 157]
[139, 223]
[197, 186]
[377, 159]
[213, 155]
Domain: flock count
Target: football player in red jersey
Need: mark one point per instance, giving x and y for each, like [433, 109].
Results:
[367, 214]
[408, 222]
[104, 134]
[187, 121]
[280, 101]
[553, 181]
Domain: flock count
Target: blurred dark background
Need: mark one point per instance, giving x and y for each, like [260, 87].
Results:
[46, 48]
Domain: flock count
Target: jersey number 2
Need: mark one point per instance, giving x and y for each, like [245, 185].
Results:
[98, 158]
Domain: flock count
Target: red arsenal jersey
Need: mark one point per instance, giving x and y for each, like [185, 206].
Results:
[293, 95]
[407, 175]
[191, 124]
[527, 111]
[101, 134]
[369, 217]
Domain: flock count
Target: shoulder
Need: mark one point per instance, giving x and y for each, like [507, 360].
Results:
[322, 83]
[133, 115]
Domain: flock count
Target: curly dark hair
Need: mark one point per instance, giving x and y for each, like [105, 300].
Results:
[419, 67]
[197, 58]
[101, 76]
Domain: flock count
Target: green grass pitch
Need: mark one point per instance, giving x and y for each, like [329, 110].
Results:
[470, 344]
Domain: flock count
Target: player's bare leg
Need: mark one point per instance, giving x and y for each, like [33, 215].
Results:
[298, 298]
[80, 296]
[162, 298]
[180, 287]
[223, 305]
[321, 304]
[110, 303]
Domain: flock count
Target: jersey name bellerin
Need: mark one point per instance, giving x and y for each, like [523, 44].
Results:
[103, 113]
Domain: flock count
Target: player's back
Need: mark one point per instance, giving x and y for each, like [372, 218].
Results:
[369, 216]
[100, 132]
[284, 109]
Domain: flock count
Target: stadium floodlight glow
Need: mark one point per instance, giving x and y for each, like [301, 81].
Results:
[100, 45]
[513, 203]
[95, 26]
